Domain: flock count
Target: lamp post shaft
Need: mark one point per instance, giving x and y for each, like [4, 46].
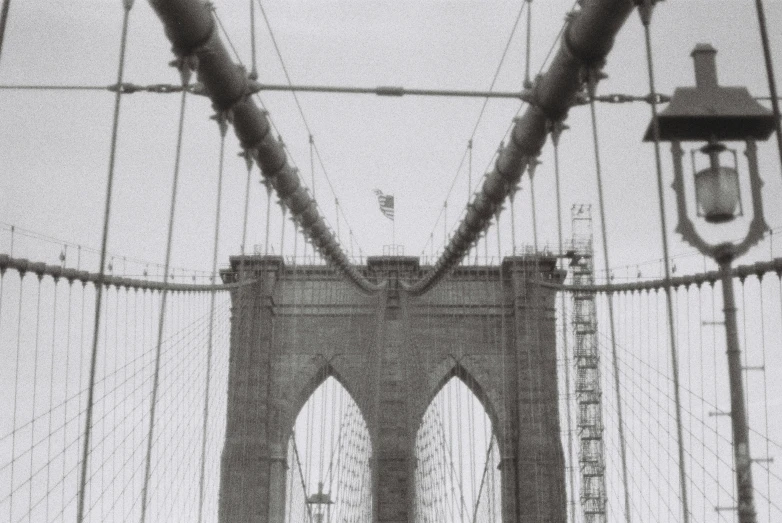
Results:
[738, 413]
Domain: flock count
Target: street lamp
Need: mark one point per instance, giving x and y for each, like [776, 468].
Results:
[322, 503]
[714, 114]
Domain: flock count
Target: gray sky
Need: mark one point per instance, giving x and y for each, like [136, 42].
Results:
[55, 145]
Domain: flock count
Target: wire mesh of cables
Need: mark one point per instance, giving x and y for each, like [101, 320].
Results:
[325, 433]
[45, 325]
[646, 392]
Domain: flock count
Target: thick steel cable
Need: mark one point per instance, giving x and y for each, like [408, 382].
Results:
[528, 51]
[772, 84]
[23, 265]
[253, 51]
[4, 22]
[127, 5]
[531, 174]
[66, 244]
[468, 150]
[300, 108]
[645, 9]
[185, 72]
[614, 356]
[586, 42]
[190, 27]
[223, 128]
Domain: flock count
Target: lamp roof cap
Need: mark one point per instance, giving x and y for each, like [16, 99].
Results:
[710, 110]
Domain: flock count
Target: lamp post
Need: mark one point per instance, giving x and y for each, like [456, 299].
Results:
[714, 114]
[322, 503]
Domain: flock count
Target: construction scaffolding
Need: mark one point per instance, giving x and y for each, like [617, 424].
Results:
[587, 362]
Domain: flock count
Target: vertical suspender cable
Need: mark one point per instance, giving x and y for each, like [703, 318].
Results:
[284, 213]
[268, 186]
[127, 5]
[772, 84]
[556, 132]
[645, 10]
[16, 393]
[249, 160]
[531, 173]
[527, 79]
[223, 126]
[185, 72]
[254, 66]
[312, 178]
[512, 197]
[499, 244]
[445, 223]
[469, 181]
[469, 169]
[592, 83]
[336, 213]
[35, 387]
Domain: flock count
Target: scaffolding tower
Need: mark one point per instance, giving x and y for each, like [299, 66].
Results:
[587, 362]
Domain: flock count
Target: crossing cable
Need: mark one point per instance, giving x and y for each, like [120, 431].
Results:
[586, 42]
[632, 375]
[184, 65]
[190, 27]
[645, 9]
[592, 85]
[127, 6]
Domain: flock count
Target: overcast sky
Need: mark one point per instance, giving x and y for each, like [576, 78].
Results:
[54, 145]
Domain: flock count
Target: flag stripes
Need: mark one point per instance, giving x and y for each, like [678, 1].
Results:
[386, 202]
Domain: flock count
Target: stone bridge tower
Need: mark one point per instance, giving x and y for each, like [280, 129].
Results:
[286, 338]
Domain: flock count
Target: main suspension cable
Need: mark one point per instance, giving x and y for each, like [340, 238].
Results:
[300, 109]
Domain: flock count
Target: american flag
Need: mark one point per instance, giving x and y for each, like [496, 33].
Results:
[386, 202]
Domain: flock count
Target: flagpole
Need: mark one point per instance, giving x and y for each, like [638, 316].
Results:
[393, 233]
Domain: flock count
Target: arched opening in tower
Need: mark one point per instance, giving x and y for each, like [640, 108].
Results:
[457, 458]
[329, 477]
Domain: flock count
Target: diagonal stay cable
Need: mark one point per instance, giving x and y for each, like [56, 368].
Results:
[190, 26]
[510, 126]
[587, 40]
[274, 126]
[482, 111]
[298, 105]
